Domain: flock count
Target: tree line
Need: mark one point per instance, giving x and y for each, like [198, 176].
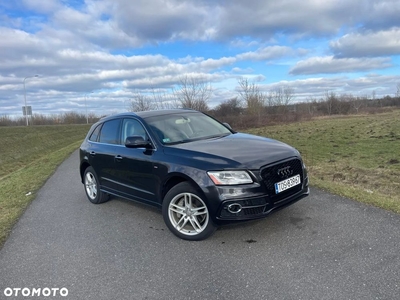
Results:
[250, 108]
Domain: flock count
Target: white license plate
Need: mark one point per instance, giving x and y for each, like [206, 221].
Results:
[287, 184]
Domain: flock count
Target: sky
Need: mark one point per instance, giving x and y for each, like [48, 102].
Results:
[98, 54]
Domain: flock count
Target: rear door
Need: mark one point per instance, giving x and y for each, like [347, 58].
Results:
[102, 154]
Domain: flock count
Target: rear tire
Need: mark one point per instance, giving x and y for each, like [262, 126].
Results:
[186, 214]
[92, 188]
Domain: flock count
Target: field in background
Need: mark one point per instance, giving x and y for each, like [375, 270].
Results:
[29, 155]
[353, 156]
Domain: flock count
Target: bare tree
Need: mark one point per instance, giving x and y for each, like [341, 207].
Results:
[398, 90]
[312, 105]
[343, 104]
[163, 100]
[279, 99]
[356, 103]
[193, 93]
[140, 102]
[288, 95]
[229, 107]
[251, 95]
[330, 100]
[269, 99]
[282, 96]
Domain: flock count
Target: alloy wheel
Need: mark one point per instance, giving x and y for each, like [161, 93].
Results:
[91, 185]
[188, 214]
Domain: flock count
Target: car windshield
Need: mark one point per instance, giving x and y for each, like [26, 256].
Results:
[186, 127]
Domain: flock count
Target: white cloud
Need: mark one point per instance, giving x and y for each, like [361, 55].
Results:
[242, 43]
[379, 14]
[317, 86]
[92, 29]
[159, 20]
[380, 43]
[329, 65]
[309, 86]
[169, 20]
[212, 64]
[266, 18]
[267, 53]
[114, 24]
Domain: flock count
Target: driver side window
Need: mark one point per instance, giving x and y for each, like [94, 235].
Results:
[132, 127]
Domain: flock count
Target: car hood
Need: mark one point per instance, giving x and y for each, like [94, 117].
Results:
[237, 150]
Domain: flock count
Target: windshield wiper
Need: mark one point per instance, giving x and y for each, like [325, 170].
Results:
[218, 136]
[215, 136]
[178, 142]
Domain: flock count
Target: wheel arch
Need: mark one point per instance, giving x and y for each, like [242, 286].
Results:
[83, 167]
[174, 180]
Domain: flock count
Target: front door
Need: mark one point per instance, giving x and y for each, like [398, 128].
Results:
[134, 167]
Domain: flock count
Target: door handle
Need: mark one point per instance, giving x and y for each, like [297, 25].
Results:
[118, 157]
[92, 153]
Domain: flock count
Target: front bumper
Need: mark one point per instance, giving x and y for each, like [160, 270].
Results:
[256, 207]
[260, 199]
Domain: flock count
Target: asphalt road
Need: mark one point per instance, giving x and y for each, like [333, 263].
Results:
[323, 247]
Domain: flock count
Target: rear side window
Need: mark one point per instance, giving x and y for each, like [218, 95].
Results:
[95, 134]
[110, 132]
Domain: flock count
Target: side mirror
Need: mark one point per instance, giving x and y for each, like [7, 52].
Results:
[136, 141]
[227, 125]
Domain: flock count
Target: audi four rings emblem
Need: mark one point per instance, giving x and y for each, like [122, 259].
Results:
[285, 172]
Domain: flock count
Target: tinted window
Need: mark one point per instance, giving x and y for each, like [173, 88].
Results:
[95, 134]
[132, 127]
[186, 127]
[110, 132]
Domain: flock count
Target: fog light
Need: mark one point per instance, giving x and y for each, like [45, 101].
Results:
[234, 208]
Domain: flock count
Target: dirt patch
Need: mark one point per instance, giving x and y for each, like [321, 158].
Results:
[393, 161]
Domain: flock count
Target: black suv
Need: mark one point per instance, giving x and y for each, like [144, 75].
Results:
[198, 170]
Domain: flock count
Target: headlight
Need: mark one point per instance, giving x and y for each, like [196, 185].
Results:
[230, 177]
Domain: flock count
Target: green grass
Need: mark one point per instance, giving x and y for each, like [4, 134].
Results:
[355, 156]
[29, 155]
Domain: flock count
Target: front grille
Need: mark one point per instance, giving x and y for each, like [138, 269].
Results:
[253, 210]
[270, 176]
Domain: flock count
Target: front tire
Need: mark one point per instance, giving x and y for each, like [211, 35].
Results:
[186, 214]
[92, 187]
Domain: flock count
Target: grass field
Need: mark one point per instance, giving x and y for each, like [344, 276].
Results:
[29, 155]
[355, 156]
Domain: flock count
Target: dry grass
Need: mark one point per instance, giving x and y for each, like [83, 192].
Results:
[354, 156]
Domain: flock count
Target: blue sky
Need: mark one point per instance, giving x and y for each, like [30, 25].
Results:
[107, 51]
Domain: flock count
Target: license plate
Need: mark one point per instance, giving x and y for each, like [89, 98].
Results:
[287, 184]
